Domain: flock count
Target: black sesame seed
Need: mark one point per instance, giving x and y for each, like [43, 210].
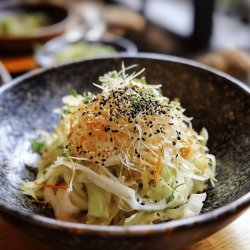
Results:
[106, 129]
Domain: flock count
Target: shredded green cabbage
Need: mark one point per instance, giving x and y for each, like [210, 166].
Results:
[126, 156]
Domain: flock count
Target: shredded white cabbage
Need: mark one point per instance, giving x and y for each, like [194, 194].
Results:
[126, 156]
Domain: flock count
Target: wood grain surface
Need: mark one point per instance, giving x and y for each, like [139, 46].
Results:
[236, 236]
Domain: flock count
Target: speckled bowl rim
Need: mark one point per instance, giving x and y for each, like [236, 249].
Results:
[222, 212]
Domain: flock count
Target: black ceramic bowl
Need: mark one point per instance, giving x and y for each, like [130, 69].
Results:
[216, 101]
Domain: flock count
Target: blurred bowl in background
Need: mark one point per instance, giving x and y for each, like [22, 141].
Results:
[233, 61]
[47, 57]
[24, 24]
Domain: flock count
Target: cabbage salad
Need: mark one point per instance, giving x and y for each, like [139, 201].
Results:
[125, 156]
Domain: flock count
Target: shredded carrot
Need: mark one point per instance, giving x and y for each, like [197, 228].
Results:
[64, 186]
[63, 128]
[81, 140]
[158, 167]
[72, 117]
[185, 152]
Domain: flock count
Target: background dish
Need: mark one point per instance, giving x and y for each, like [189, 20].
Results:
[57, 15]
[216, 101]
[45, 57]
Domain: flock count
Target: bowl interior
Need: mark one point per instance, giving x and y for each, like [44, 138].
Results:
[215, 103]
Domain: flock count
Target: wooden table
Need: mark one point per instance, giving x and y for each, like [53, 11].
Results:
[236, 236]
